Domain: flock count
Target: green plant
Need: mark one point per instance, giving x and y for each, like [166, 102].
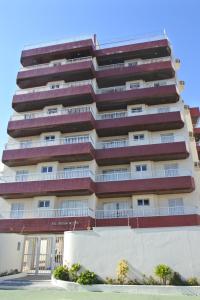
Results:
[122, 271]
[73, 272]
[149, 280]
[62, 273]
[192, 281]
[164, 272]
[87, 277]
[176, 279]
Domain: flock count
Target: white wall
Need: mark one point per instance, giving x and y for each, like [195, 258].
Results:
[10, 257]
[101, 249]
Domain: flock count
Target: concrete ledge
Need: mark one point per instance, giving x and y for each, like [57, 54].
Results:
[134, 289]
[14, 276]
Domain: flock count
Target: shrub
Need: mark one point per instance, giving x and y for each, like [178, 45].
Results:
[176, 279]
[87, 277]
[149, 280]
[73, 272]
[62, 273]
[192, 281]
[164, 272]
[122, 271]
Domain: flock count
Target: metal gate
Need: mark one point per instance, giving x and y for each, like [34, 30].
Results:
[42, 254]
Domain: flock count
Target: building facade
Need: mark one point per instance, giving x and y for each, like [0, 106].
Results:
[101, 143]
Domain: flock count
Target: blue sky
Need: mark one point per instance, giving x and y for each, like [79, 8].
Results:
[25, 22]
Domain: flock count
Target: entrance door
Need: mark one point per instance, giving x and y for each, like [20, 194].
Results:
[42, 254]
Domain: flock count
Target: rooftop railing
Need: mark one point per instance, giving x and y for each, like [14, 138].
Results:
[99, 214]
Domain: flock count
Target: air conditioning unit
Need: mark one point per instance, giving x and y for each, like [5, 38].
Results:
[186, 106]
[181, 82]
[177, 63]
[197, 164]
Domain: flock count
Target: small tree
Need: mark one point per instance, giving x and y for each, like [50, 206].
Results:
[164, 272]
[122, 271]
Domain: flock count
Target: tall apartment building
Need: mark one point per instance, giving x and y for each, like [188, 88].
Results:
[102, 159]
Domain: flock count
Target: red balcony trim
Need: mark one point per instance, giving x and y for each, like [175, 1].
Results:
[63, 123]
[45, 225]
[61, 153]
[59, 225]
[153, 152]
[58, 51]
[70, 72]
[154, 122]
[132, 50]
[168, 185]
[78, 95]
[150, 96]
[61, 187]
[151, 71]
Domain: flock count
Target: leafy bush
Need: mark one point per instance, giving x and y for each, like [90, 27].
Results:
[164, 272]
[87, 277]
[62, 273]
[122, 271]
[149, 280]
[192, 281]
[73, 272]
[176, 279]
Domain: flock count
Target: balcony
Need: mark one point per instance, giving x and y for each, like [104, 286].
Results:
[68, 120]
[73, 93]
[197, 132]
[147, 70]
[159, 182]
[69, 49]
[67, 70]
[60, 220]
[157, 46]
[123, 153]
[61, 183]
[77, 148]
[195, 114]
[152, 122]
[150, 93]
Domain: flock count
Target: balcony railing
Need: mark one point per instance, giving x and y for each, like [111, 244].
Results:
[137, 62]
[127, 175]
[65, 111]
[99, 214]
[146, 212]
[57, 63]
[88, 139]
[72, 174]
[62, 86]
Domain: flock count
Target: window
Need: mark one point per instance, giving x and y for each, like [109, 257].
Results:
[141, 168]
[25, 144]
[143, 202]
[21, 175]
[114, 143]
[163, 109]
[132, 63]
[116, 209]
[135, 85]
[49, 138]
[167, 138]
[171, 170]
[44, 203]
[47, 169]
[52, 111]
[115, 174]
[176, 206]
[138, 137]
[55, 86]
[136, 110]
[18, 246]
[17, 210]
[73, 172]
[74, 208]
[55, 64]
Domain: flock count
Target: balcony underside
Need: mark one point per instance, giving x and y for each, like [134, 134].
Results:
[146, 72]
[168, 185]
[61, 187]
[69, 72]
[59, 225]
[60, 153]
[155, 152]
[195, 114]
[68, 50]
[73, 96]
[149, 96]
[45, 225]
[197, 133]
[154, 122]
[144, 50]
[63, 123]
